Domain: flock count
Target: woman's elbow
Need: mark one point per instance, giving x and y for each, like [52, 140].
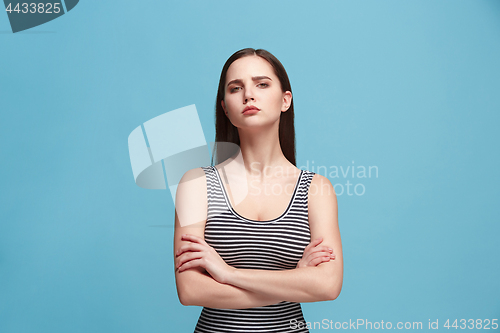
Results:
[183, 298]
[331, 281]
[330, 287]
[189, 296]
[333, 291]
[188, 288]
[185, 294]
[188, 299]
[326, 292]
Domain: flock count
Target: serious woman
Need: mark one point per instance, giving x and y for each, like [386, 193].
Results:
[254, 235]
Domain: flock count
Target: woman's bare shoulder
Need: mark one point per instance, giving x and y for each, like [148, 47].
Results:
[191, 197]
[196, 174]
[321, 191]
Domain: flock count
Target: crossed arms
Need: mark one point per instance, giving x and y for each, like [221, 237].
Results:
[204, 279]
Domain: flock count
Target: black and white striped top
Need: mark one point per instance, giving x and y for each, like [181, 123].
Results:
[275, 244]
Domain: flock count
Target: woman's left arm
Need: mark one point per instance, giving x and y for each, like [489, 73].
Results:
[307, 284]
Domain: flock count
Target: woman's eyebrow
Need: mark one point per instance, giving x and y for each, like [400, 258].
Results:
[254, 78]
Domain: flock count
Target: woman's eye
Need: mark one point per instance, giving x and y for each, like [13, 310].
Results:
[263, 84]
[234, 89]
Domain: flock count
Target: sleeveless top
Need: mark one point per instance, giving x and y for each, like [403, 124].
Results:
[243, 243]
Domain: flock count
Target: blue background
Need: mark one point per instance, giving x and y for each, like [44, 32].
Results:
[411, 87]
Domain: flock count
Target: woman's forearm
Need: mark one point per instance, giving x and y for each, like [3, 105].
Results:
[197, 288]
[307, 284]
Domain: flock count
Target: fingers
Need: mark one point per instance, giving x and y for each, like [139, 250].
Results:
[313, 247]
[320, 254]
[319, 257]
[191, 264]
[189, 247]
[193, 238]
[318, 260]
[315, 254]
[313, 243]
[185, 257]
[325, 249]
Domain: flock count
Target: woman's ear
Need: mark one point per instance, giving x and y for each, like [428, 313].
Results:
[287, 101]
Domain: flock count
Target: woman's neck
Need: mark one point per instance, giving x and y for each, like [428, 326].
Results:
[260, 151]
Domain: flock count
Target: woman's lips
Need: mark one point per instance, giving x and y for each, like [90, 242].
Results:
[251, 111]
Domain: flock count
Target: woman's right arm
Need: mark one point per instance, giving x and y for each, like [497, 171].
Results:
[195, 286]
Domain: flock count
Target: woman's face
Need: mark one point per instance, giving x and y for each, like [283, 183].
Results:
[251, 82]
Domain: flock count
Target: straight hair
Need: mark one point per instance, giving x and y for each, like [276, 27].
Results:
[225, 131]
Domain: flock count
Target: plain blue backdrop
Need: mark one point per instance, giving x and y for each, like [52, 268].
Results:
[411, 87]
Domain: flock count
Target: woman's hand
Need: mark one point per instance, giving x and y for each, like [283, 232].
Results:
[315, 254]
[197, 253]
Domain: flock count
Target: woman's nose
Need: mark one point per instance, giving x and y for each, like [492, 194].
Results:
[248, 95]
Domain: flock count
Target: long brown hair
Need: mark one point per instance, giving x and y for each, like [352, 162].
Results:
[225, 131]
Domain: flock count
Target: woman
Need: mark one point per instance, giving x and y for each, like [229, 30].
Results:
[243, 252]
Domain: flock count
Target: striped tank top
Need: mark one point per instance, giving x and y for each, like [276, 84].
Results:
[275, 244]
